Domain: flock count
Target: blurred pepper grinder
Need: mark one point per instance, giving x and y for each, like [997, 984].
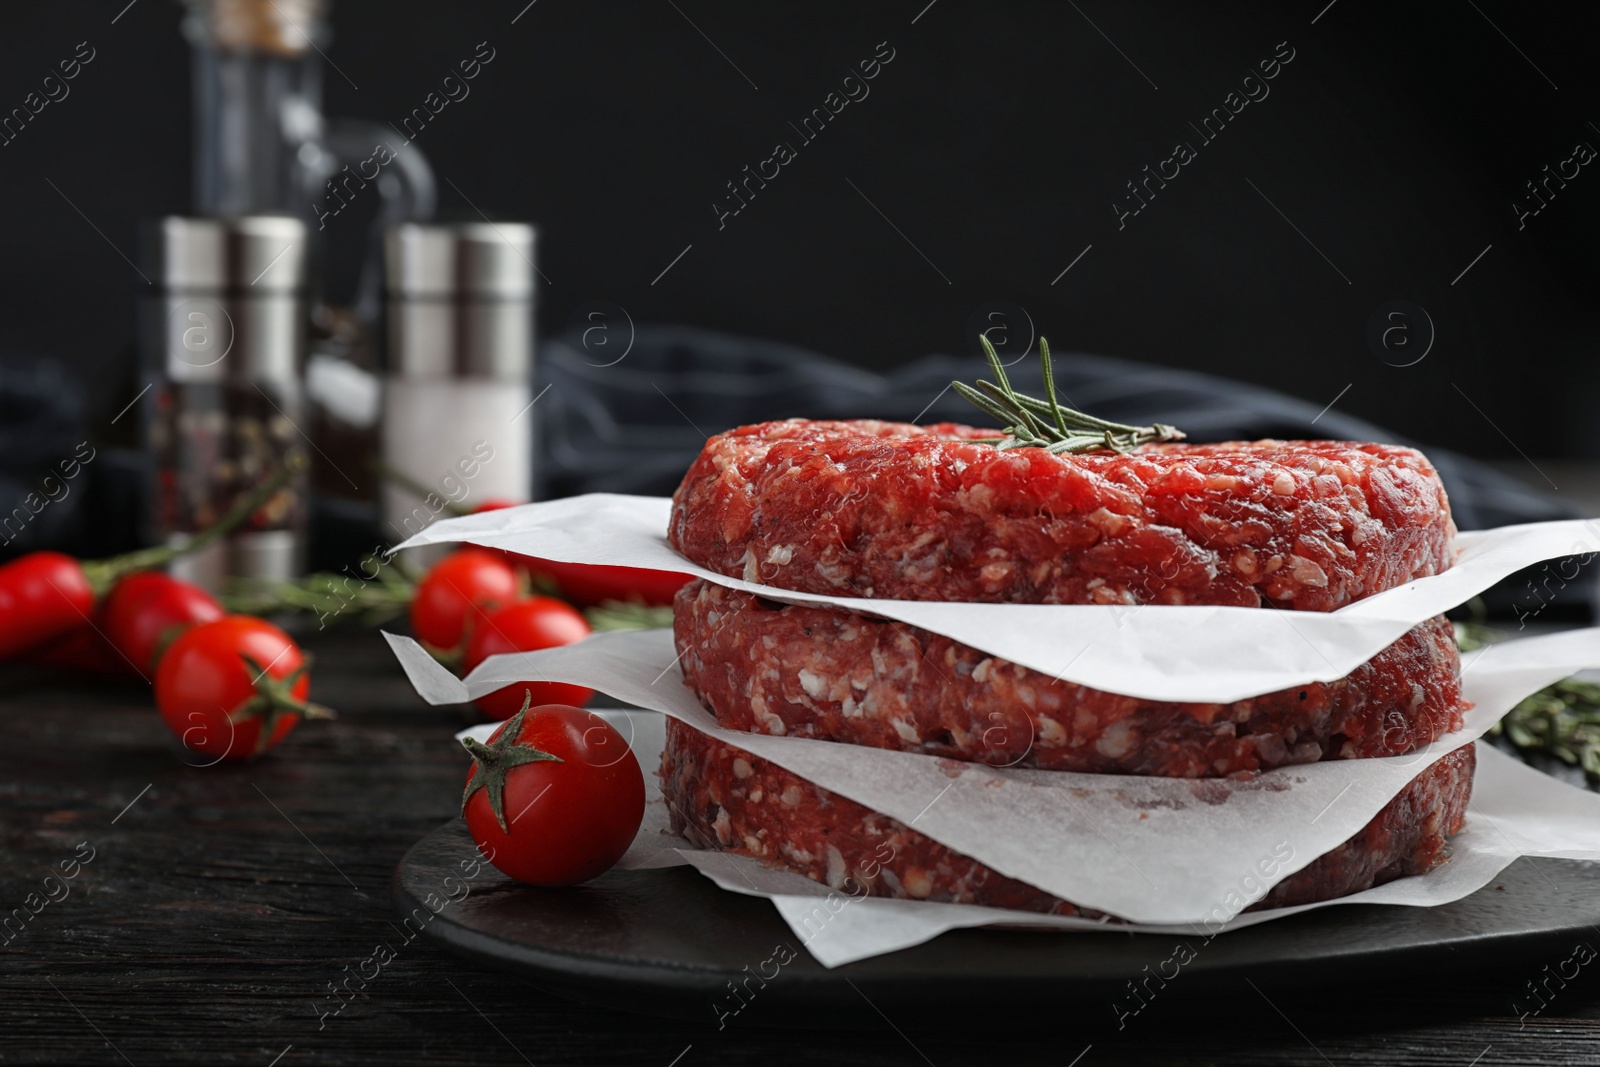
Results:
[242, 309]
[224, 337]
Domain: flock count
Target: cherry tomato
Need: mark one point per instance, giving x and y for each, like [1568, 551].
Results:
[588, 584]
[555, 797]
[524, 626]
[233, 688]
[446, 596]
[146, 610]
[43, 596]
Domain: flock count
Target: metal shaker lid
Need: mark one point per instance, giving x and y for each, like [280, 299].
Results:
[462, 261]
[261, 254]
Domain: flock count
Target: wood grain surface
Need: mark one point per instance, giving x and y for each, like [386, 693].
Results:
[221, 903]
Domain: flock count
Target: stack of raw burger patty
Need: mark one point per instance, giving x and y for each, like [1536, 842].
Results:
[894, 511]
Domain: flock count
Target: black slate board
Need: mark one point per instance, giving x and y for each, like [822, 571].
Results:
[669, 942]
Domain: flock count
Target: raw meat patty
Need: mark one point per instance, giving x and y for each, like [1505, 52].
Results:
[882, 509]
[773, 668]
[726, 799]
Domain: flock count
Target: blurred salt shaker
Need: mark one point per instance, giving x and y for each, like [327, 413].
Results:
[457, 406]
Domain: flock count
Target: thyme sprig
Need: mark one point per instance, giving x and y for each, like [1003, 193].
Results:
[1033, 423]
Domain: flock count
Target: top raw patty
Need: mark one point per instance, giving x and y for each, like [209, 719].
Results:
[891, 510]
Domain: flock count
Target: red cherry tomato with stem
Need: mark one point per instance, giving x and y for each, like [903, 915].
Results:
[556, 796]
[525, 626]
[233, 688]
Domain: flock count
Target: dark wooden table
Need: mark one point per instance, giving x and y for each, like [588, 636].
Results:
[221, 903]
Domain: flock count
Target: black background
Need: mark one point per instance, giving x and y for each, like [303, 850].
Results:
[996, 142]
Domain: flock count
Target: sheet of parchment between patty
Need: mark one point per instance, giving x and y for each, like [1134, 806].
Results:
[1155, 850]
[1157, 652]
[1516, 811]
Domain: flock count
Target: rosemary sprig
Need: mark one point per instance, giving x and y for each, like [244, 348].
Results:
[1563, 720]
[628, 615]
[1033, 423]
[330, 597]
[1560, 720]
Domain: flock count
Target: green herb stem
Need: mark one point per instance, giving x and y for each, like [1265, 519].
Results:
[1560, 720]
[1029, 422]
[103, 573]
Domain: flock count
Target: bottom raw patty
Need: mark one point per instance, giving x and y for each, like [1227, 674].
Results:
[724, 798]
[773, 668]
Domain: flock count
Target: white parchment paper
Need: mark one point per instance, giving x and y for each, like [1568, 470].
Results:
[1516, 811]
[1151, 850]
[1158, 652]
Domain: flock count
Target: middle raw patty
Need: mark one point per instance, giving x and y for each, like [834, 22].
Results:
[766, 667]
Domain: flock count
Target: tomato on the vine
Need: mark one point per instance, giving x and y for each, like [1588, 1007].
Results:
[233, 688]
[451, 592]
[148, 609]
[556, 796]
[44, 596]
[525, 626]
